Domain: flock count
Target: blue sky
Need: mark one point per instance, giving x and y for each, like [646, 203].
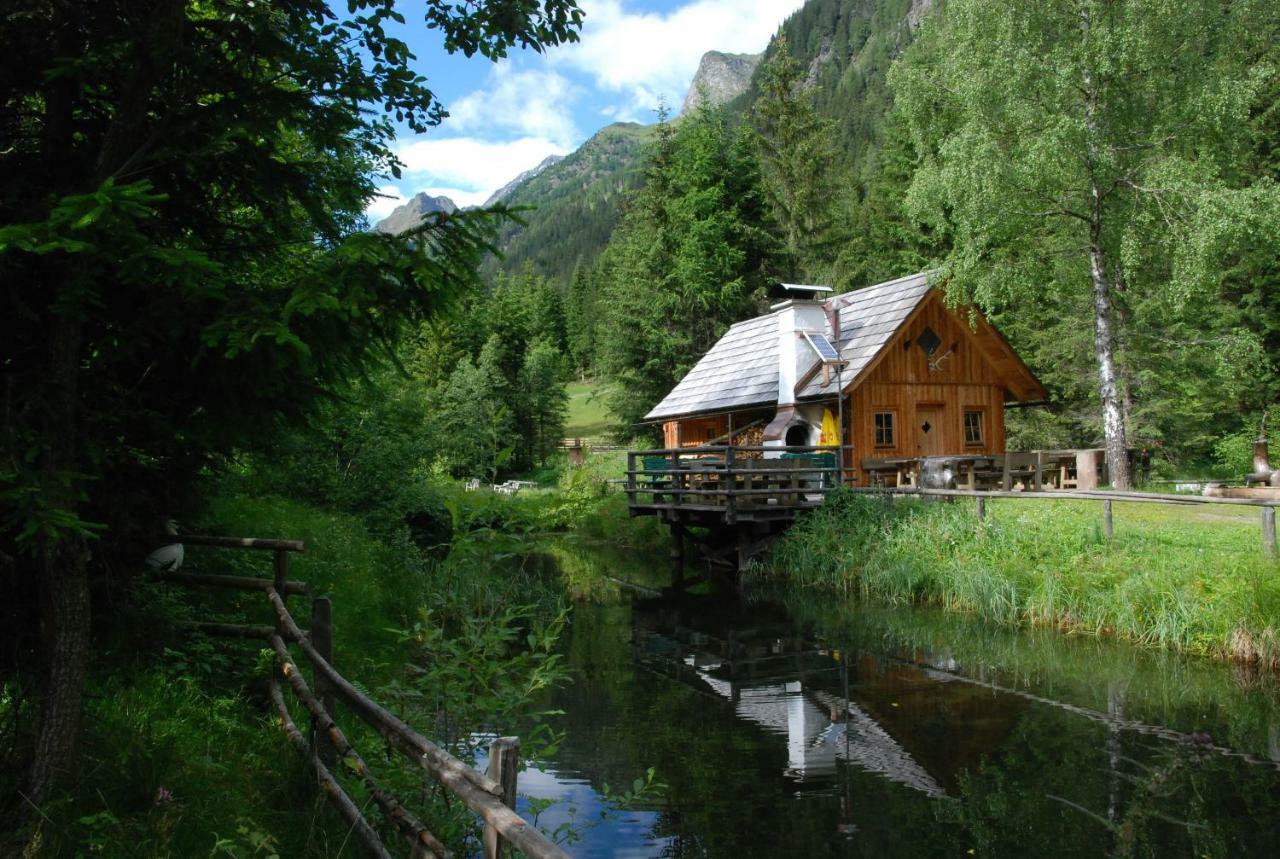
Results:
[509, 116]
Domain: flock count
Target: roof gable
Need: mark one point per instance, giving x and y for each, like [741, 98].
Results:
[741, 369]
[868, 320]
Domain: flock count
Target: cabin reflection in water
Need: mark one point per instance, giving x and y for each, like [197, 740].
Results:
[907, 724]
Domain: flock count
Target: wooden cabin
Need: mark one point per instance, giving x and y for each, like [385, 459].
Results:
[907, 376]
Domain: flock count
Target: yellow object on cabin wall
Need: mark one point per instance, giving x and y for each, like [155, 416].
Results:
[830, 428]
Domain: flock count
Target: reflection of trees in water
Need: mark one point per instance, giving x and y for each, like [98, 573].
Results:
[1038, 739]
[1239, 705]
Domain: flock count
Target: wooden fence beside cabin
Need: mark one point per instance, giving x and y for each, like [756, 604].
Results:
[727, 484]
[491, 795]
[1107, 497]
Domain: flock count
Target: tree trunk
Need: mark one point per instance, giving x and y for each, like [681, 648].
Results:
[64, 586]
[64, 609]
[1113, 424]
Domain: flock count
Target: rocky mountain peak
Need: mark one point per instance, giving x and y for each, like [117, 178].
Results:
[412, 213]
[720, 78]
[505, 191]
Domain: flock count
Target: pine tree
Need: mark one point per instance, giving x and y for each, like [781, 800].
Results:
[545, 401]
[684, 263]
[796, 150]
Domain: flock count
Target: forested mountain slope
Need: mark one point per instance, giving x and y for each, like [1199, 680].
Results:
[576, 203]
[846, 46]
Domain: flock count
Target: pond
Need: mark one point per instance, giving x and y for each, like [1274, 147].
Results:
[815, 727]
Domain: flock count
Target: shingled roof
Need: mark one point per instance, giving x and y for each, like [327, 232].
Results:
[868, 320]
[742, 368]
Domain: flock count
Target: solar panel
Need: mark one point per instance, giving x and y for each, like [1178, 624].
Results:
[822, 346]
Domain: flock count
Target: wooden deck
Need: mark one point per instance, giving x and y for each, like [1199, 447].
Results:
[726, 484]
[744, 499]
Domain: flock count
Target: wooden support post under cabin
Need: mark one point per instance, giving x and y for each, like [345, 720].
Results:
[1269, 531]
[730, 499]
[1037, 482]
[504, 763]
[677, 554]
[1108, 526]
[982, 509]
[281, 581]
[322, 640]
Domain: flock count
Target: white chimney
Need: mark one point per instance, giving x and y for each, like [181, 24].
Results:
[795, 355]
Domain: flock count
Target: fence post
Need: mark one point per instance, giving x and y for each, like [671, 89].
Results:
[1269, 531]
[322, 640]
[982, 509]
[1108, 527]
[504, 762]
[281, 579]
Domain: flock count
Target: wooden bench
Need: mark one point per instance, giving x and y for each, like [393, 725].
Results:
[1024, 469]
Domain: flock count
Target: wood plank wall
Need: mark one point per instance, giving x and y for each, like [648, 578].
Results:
[903, 382]
[692, 433]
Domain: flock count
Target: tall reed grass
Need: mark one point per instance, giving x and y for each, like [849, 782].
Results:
[1191, 579]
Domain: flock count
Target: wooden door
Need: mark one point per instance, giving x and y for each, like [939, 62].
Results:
[928, 430]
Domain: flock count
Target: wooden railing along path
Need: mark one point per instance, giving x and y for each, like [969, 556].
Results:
[491, 795]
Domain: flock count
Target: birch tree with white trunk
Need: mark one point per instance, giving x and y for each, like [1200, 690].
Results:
[1088, 145]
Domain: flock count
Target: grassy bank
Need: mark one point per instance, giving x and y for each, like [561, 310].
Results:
[1192, 579]
[180, 756]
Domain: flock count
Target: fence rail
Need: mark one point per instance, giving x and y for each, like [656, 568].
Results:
[490, 796]
[596, 442]
[1107, 497]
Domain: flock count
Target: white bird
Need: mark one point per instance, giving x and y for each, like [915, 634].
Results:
[167, 558]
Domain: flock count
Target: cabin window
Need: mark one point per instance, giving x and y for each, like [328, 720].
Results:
[709, 434]
[884, 430]
[973, 432]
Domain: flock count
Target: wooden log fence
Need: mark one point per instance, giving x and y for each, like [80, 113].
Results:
[490, 796]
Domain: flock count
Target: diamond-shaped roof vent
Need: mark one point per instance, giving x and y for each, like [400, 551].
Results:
[928, 341]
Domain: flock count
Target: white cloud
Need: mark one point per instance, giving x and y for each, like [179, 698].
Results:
[460, 196]
[643, 54]
[470, 167]
[381, 206]
[531, 103]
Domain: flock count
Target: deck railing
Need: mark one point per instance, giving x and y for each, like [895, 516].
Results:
[731, 479]
[491, 796]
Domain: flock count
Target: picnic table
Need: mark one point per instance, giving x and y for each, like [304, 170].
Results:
[901, 470]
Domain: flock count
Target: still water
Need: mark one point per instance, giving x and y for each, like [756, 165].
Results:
[794, 727]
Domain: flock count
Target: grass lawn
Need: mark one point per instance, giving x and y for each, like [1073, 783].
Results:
[1189, 578]
[588, 416]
